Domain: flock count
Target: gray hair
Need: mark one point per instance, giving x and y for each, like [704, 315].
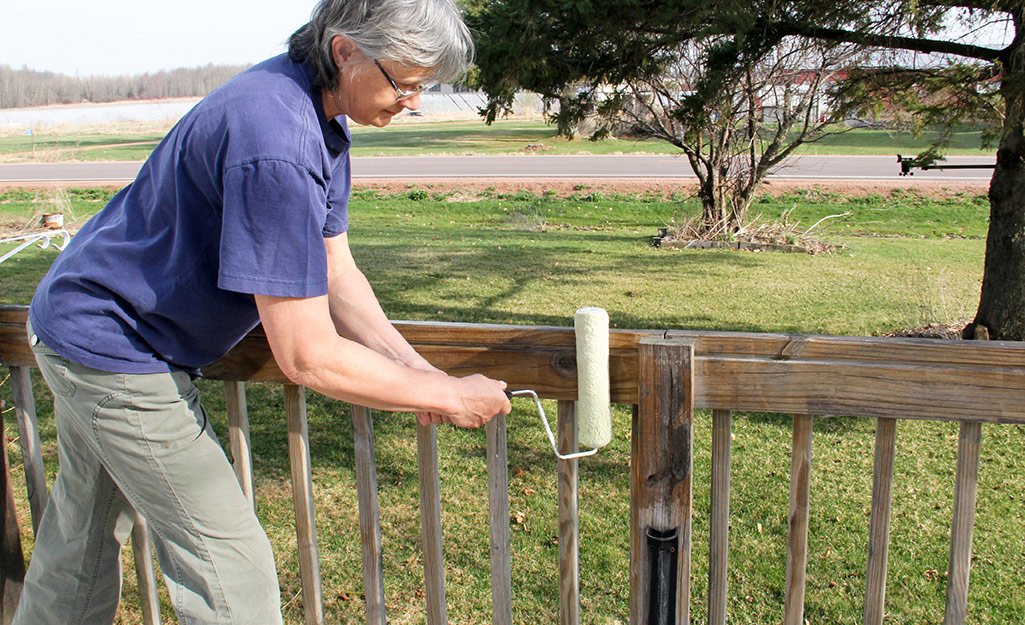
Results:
[428, 34]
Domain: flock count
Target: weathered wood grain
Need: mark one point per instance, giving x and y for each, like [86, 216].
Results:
[369, 514]
[798, 518]
[12, 558]
[28, 436]
[304, 503]
[661, 468]
[795, 374]
[719, 530]
[879, 523]
[149, 600]
[498, 518]
[430, 523]
[238, 437]
[966, 484]
[569, 517]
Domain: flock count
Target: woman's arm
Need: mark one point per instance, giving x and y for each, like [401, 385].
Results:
[343, 346]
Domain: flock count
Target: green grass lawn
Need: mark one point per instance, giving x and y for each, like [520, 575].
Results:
[91, 144]
[528, 259]
[465, 137]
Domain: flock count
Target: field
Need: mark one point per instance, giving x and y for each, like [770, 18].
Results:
[135, 141]
[532, 257]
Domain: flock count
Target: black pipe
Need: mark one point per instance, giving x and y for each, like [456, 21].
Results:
[663, 551]
[908, 162]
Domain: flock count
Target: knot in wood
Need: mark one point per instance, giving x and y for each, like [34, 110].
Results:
[565, 364]
[668, 477]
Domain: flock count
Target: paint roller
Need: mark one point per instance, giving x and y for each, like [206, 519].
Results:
[594, 415]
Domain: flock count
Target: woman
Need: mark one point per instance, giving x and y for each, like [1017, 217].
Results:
[238, 217]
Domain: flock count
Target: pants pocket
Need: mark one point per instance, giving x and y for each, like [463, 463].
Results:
[55, 371]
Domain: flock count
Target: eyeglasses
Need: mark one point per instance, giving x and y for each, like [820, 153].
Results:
[399, 93]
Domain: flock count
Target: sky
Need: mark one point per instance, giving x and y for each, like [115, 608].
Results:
[113, 37]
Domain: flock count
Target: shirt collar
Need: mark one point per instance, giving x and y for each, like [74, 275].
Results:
[336, 130]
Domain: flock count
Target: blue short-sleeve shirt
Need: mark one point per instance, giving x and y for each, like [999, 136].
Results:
[235, 201]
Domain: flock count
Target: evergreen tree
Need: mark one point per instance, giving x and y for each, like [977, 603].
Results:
[919, 61]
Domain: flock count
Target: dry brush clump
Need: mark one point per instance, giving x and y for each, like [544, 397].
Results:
[759, 234]
[55, 200]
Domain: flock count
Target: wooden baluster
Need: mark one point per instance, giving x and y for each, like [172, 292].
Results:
[719, 530]
[879, 525]
[238, 436]
[430, 521]
[498, 512]
[661, 468]
[797, 542]
[569, 518]
[965, 487]
[149, 601]
[302, 499]
[28, 436]
[369, 514]
[12, 559]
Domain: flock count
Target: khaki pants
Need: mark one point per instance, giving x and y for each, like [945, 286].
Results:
[143, 441]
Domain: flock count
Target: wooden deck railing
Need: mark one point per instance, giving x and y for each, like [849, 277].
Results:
[665, 376]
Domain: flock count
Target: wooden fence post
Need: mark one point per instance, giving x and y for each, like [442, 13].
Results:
[498, 516]
[302, 499]
[12, 559]
[569, 518]
[149, 600]
[719, 529]
[797, 535]
[965, 487]
[28, 436]
[430, 523]
[369, 514]
[660, 486]
[238, 437]
[879, 524]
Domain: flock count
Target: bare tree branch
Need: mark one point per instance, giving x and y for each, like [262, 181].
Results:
[932, 46]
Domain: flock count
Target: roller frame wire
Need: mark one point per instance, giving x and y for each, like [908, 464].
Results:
[548, 428]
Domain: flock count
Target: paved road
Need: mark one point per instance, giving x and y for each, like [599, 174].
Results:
[528, 166]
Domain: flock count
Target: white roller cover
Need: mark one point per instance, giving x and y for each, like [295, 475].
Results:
[594, 415]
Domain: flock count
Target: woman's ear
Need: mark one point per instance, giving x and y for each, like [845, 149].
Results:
[342, 50]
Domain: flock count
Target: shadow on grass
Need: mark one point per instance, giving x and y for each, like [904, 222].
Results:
[402, 264]
[20, 274]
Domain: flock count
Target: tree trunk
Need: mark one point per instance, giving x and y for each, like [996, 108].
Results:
[1002, 303]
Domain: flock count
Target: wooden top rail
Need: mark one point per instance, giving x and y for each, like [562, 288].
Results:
[820, 375]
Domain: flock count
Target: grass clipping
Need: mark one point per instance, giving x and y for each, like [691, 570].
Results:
[756, 235]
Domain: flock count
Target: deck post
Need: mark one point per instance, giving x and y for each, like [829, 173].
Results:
[12, 559]
[430, 523]
[238, 437]
[28, 436]
[569, 518]
[498, 517]
[369, 514]
[965, 488]
[879, 524]
[719, 530]
[302, 499]
[660, 484]
[149, 599]
[798, 517]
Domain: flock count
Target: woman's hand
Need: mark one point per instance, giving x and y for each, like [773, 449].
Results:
[480, 399]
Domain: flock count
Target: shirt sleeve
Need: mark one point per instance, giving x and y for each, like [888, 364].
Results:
[338, 199]
[272, 233]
